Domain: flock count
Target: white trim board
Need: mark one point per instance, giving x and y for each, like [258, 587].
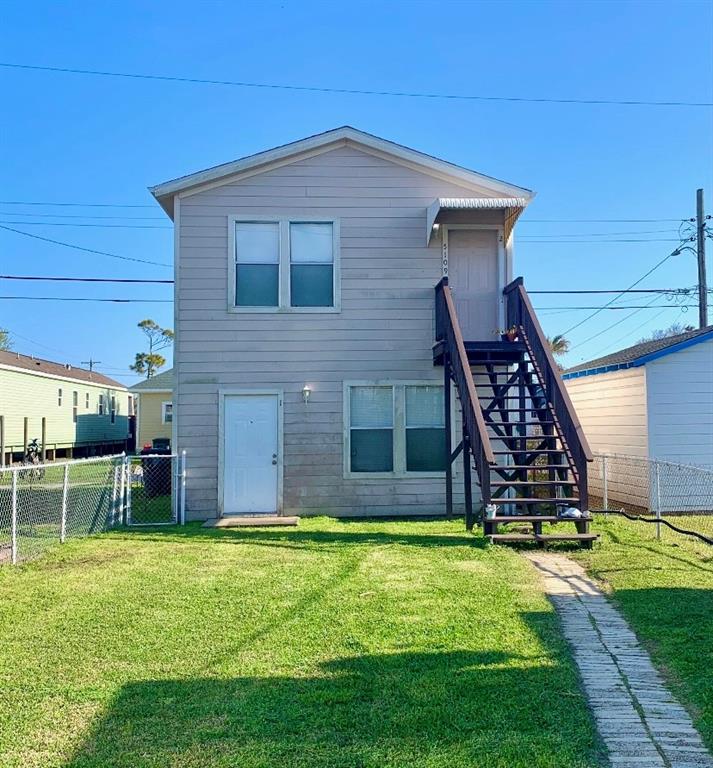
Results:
[228, 392]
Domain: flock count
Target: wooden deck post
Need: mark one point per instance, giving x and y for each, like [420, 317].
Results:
[467, 487]
[26, 435]
[2, 441]
[44, 439]
[447, 422]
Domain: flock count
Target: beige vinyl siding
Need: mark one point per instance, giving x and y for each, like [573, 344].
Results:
[384, 330]
[24, 394]
[612, 410]
[150, 418]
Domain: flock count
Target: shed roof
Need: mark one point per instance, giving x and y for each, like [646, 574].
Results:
[37, 365]
[640, 354]
[161, 382]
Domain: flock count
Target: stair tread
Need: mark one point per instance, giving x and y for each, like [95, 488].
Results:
[509, 483]
[526, 519]
[534, 500]
[531, 450]
[532, 467]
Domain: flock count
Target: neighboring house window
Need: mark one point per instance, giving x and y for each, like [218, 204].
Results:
[131, 406]
[257, 264]
[425, 432]
[167, 412]
[371, 428]
[86, 400]
[113, 409]
[59, 397]
[395, 429]
[75, 406]
[311, 265]
[100, 407]
[285, 264]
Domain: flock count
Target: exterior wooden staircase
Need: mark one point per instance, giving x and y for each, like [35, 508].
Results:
[519, 429]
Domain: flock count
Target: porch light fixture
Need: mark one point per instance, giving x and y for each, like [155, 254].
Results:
[306, 392]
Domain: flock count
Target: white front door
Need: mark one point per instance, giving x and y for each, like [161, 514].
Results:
[473, 275]
[250, 454]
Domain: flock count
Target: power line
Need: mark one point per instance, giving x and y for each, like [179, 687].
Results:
[85, 279]
[81, 216]
[683, 291]
[353, 91]
[82, 224]
[592, 234]
[581, 242]
[675, 252]
[84, 298]
[608, 308]
[78, 205]
[601, 221]
[81, 248]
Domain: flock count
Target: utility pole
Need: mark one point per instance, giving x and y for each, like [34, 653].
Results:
[701, 251]
[91, 363]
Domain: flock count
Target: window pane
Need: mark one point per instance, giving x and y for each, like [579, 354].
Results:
[256, 285]
[424, 406]
[371, 407]
[311, 285]
[257, 243]
[425, 450]
[311, 243]
[372, 450]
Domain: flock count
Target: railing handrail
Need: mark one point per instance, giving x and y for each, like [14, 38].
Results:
[477, 431]
[516, 291]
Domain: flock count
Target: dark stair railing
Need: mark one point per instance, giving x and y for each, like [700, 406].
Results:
[519, 313]
[475, 433]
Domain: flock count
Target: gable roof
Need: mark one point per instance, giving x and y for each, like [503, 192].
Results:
[39, 366]
[640, 354]
[323, 142]
[161, 382]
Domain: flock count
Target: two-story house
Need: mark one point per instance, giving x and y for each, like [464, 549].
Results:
[323, 290]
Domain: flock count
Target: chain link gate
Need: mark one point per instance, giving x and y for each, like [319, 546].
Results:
[153, 489]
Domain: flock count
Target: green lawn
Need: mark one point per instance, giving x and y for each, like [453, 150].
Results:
[665, 590]
[353, 645]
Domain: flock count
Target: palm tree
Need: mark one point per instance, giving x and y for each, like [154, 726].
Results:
[558, 344]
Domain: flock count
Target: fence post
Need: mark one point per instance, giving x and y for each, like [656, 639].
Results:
[658, 500]
[605, 483]
[182, 517]
[13, 521]
[122, 478]
[128, 490]
[65, 488]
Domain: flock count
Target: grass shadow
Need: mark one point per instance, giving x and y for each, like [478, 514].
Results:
[457, 708]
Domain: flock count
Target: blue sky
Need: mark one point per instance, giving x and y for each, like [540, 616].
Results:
[72, 138]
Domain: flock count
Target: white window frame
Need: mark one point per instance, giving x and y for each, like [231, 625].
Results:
[59, 397]
[101, 404]
[163, 411]
[283, 293]
[113, 409]
[399, 427]
[75, 406]
[86, 400]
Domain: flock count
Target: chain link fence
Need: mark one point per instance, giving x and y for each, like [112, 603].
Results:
[680, 495]
[42, 504]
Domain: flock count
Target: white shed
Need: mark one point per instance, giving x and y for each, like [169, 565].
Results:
[653, 400]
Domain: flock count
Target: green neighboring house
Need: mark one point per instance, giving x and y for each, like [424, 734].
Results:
[84, 412]
[154, 419]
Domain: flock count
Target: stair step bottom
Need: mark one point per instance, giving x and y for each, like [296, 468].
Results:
[514, 538]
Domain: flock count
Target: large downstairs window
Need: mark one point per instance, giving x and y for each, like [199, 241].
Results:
[394, 429]
[284, 265]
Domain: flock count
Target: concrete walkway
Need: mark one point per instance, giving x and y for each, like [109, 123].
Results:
[641, 723]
